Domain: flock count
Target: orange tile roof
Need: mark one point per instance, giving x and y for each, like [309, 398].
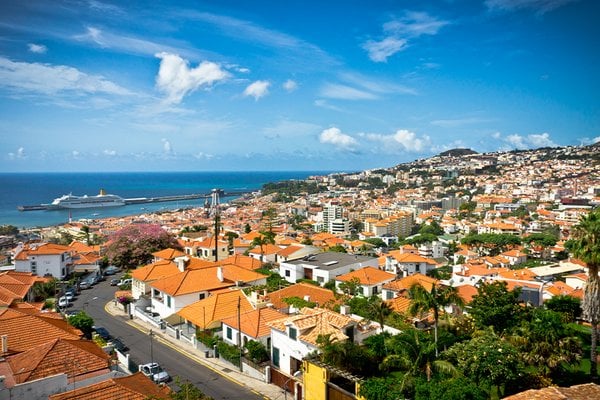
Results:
[266, 249]
[410, 258]
[288, 251]
[367, 276]
[131, 387]
[168, 254]
[466, 292]
[23, 329]
[399, 304]
[316, 294]
[406, 283]
[254, 323]
[208, 313]
[158, 270]
[76, 358]
[42, 249]
[577, 392]
[524, 274]
[242, 261]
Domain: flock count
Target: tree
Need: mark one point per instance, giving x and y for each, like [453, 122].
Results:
[257, 351]
[487, 360]
[436, 299]
[187, 391]
[386, 388]
[133, 245]
[231, 236]
[586, 247]
[9, 230]
[496, 306]
[379, 310]
[85, 230]
[338, 248]
[44, 290]
[247, 228]
[83, 322]
[568, 306]
[351, 287]
[262, 240]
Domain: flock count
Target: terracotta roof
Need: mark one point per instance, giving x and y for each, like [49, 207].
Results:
[158, 270]
[399, 304]
[578, 392]
[254, 323]
[132, 387]
[242, 261]
[168, 254]
[266, 249]
[76, 358]
[316, 294]
[204, 279]
[466, 292]
[42, 249]
[288, 251]
[23, 329]
[208, 313]
[367, 276]
[406, 282]
[314, 322]
[83, 248]
[410, 258]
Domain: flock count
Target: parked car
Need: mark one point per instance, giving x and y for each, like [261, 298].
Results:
[102, 332]
[69, 296]
[124, 282]
[155, 372]
[114, 281]
[84, 285]
[63, 302]
[111, 270]
[119, 345]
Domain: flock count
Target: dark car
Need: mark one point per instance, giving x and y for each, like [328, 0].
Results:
[119, 345]
[114, 281]
[111, 270]
[102, 332]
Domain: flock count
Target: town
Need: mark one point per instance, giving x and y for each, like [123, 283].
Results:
[460, 275]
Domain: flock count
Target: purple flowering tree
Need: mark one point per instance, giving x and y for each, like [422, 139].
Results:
[133, 245]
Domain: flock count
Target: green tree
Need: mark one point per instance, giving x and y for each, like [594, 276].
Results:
[496, 306]
[187, 391]
[44, 290]
[261, 241]
[459, 388]
[256, 351]
[487, 360]
[338, 248]
[586, 247]
[377, 242]
[433, 228]
[231, 236]
[247, 228]
[568, 306]
[379, 310]
[351, 287]
[85, 231]
[83, 322]
[385, 388]
[435, 300]
[9, 230]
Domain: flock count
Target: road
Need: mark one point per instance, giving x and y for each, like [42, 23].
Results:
[143, 348]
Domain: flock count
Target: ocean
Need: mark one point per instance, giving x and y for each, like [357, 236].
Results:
[18, 189]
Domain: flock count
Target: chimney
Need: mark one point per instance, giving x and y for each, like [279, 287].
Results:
[4, 339]
[181, 263]
[307, 298]
[220, 276]
[344, 310]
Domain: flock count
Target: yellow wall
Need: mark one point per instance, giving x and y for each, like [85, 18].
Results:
[315, 381]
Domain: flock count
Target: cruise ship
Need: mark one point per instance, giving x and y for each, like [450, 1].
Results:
[98, 201]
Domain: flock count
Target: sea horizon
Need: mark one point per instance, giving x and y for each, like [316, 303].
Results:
[34, 188]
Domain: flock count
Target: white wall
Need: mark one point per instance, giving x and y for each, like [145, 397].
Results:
[288, 348]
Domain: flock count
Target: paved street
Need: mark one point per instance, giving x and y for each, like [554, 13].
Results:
[144, 348]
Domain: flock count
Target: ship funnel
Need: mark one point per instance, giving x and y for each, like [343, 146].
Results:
[102, 192]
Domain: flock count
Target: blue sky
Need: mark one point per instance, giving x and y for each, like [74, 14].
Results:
[290, 85]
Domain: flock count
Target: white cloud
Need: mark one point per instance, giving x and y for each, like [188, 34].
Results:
[343, 92]
[20, 154]
[290, 85]
[399, 32]
[176, 79]
[379, 51]
[37, 48]
[531, 141]
[458, 122]
[203, 156]
[324, 104]
[110, 153]
[540, 6]
[257, 89]
[52, 79]
[166, 146]
[76, 154]
[406, 140]
[337, 138]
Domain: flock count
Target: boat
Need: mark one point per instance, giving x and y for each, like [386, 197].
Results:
[99, 201]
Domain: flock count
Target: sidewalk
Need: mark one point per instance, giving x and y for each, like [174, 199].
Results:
[223, 368]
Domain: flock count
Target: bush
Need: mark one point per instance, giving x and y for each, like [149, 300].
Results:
[257, 351]
[229, 353]
[207, 338]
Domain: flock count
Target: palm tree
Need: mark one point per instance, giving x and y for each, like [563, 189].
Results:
[586, 247]
[436, 299]
[85, 231]
[264, 239]
[379, 310]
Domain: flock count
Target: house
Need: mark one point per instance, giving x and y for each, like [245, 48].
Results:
[371, 280]
[405, 264]
[205, 249]
[208, 313]
[294, 337]
[323, 267]
[320, 296]
[515, 257]
[44, 259]
[253, 326]
[142, 277]
[167, 254]
[17, 286]
[172, 293]
[242, 261]
[131, 387]
[400, 287]
[295, 252]
[265, 253]
[53, 366]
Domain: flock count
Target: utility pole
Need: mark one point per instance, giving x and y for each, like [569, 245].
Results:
[215, 210]
[151, 334]
[239, 335]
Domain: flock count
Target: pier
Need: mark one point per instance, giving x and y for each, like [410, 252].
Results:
[145, 200]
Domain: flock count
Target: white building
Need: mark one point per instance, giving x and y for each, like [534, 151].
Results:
[44, 259]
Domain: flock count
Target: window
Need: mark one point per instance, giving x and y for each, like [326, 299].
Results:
[202, 296]
[287, 272]
[33, 267]
[169, 301]
[375, 290]
[229, 333]
[293, 333]
[276, 357]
